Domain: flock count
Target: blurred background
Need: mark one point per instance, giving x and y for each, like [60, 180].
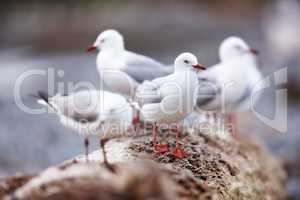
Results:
[42, 34]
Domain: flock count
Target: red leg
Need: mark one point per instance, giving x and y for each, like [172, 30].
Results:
[135, 122]
[86, 148]
[154, 134]
[161, 148]
[177, 136]
[231, 124]
[177, 151]
[215, 117]
[207, 117]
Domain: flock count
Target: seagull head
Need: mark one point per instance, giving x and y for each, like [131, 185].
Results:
[234, 47]
[108, 40]
[187, 61]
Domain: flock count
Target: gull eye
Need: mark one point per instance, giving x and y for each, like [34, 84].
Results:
[186, 61]
[102, 41]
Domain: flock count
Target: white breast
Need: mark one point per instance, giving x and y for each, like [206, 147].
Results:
[184, 85]
[109, 60]
[178, 100]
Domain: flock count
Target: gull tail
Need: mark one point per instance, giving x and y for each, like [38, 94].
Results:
[43, 99]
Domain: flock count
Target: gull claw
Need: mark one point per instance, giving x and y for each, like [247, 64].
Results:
[178, 152]
[136, 120]
[161, 148]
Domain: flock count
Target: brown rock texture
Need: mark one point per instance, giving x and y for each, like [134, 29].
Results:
[213, 169]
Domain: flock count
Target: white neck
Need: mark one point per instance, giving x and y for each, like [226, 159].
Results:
[110, 59]
[180, 69]
[114, 47]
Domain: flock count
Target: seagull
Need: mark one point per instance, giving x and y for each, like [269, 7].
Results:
[227, 86]
[121, 70]
[170, 99]
[91, 112]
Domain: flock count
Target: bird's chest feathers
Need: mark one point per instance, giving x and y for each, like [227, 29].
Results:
[182, 83]
[108, 60]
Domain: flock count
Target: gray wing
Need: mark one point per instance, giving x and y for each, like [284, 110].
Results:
[207, 93]
[208, 90]
[147, 93]
[84, 117]
[81, 107]
[142, 68]
[94, 105]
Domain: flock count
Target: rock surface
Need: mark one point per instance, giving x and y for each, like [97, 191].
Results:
[213, 169]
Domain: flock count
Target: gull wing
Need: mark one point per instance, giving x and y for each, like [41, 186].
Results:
[82, 106]
[142, 68]
[208, 89]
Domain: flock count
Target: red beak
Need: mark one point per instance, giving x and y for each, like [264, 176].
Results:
[91, 48]
[199, 66]
[254, 51]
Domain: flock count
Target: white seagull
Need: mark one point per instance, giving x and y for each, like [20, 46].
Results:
[171, 98]
[227, 87]
[91, 112]
[121, 70]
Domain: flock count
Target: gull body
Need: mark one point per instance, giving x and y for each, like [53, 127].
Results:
[91, 112]
[121, 70]
[170, 99]
[175, 93]
[227, 87]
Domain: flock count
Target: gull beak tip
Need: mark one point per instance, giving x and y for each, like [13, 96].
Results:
[199, 66]
[254, 51]
[91, 48]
